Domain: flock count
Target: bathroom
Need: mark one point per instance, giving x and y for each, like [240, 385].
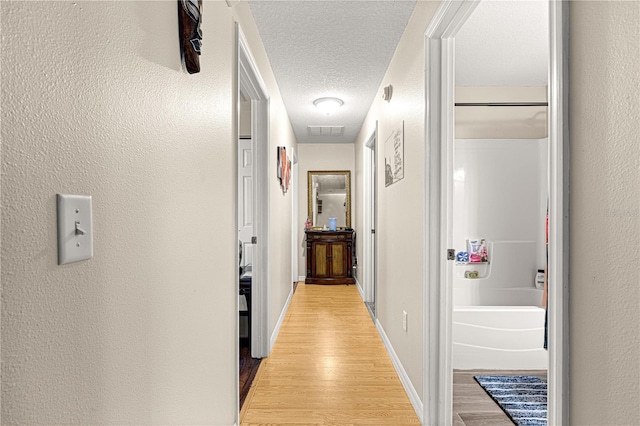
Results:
[499, 196]
[499, 200]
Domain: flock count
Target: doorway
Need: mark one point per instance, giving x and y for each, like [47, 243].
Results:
[499, 206]
[439, 78]
[252, 282]
[250, 88]
[370, 210]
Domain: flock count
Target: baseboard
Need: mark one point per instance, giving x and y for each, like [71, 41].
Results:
[301, 278]
[276, 329]
[418, 406]
[360, 289]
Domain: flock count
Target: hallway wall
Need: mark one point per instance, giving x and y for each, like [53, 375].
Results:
[94, 102]
[399, 231]
[320, 156]
[605, 227]
[604, 298]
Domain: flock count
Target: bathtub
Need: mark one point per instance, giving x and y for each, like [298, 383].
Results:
[497, 319]
[498, 338]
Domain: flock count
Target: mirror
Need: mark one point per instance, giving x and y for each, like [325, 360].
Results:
[329, 195]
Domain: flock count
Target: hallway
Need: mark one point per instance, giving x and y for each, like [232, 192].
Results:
[328, 366]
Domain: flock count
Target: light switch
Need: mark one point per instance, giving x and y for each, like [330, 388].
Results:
[75, 228]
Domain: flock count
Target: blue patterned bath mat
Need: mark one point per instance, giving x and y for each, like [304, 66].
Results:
[523, 398]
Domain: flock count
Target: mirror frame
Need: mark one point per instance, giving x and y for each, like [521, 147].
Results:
[347, 175]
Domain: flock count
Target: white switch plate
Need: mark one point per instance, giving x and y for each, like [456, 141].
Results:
[75, 228]
[404, 320]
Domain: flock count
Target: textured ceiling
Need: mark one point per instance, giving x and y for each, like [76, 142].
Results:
[504, 43]
[330, 48]
[323, 48]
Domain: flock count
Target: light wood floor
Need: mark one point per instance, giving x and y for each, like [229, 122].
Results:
[328, 367]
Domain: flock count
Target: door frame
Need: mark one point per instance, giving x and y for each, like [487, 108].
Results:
[295, 196]
[251, 83]
[439, 135]
[370, 217]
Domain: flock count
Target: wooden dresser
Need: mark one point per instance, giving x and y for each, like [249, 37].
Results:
[330, 257]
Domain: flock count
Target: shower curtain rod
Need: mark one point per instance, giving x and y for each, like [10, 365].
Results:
[501, 104]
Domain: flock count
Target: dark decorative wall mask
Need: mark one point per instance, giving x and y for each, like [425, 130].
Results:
[189, 18]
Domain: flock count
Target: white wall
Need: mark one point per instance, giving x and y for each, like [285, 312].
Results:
[320, 156]
[604, 298]
[94, 102]
[399, 232]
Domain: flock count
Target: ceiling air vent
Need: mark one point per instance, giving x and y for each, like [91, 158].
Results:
[325, 130]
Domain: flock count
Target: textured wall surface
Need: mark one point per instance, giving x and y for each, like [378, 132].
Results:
[129, 336]
[399, 231]
[316, 156]
[605, 213]
[94, 102]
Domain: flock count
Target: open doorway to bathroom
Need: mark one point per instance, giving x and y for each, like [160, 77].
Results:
[499, 210]
[485, 244]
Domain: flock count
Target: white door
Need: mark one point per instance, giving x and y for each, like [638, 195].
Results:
[245, 200]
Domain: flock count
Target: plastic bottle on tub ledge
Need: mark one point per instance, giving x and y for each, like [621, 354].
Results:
[539, 281]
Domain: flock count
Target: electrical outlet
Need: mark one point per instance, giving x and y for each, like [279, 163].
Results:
[404, 320]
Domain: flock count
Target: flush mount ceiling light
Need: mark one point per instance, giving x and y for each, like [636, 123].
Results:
[328, 105]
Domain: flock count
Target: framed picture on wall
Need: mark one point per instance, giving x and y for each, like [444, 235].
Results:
[394, 156]
[285, 175]
[281, 153]
[283, 168]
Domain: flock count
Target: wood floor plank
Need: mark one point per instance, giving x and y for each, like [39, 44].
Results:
[247, 370]
[328, 367]
[485, 419]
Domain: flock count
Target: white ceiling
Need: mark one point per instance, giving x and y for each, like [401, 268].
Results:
[504, 43]
[330, 48]
[321, 48]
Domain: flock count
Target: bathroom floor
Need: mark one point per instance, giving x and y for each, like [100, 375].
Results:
[472, 406]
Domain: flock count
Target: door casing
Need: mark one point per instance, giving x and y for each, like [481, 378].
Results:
[369, 238]
[294, 214]
[251, 84]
